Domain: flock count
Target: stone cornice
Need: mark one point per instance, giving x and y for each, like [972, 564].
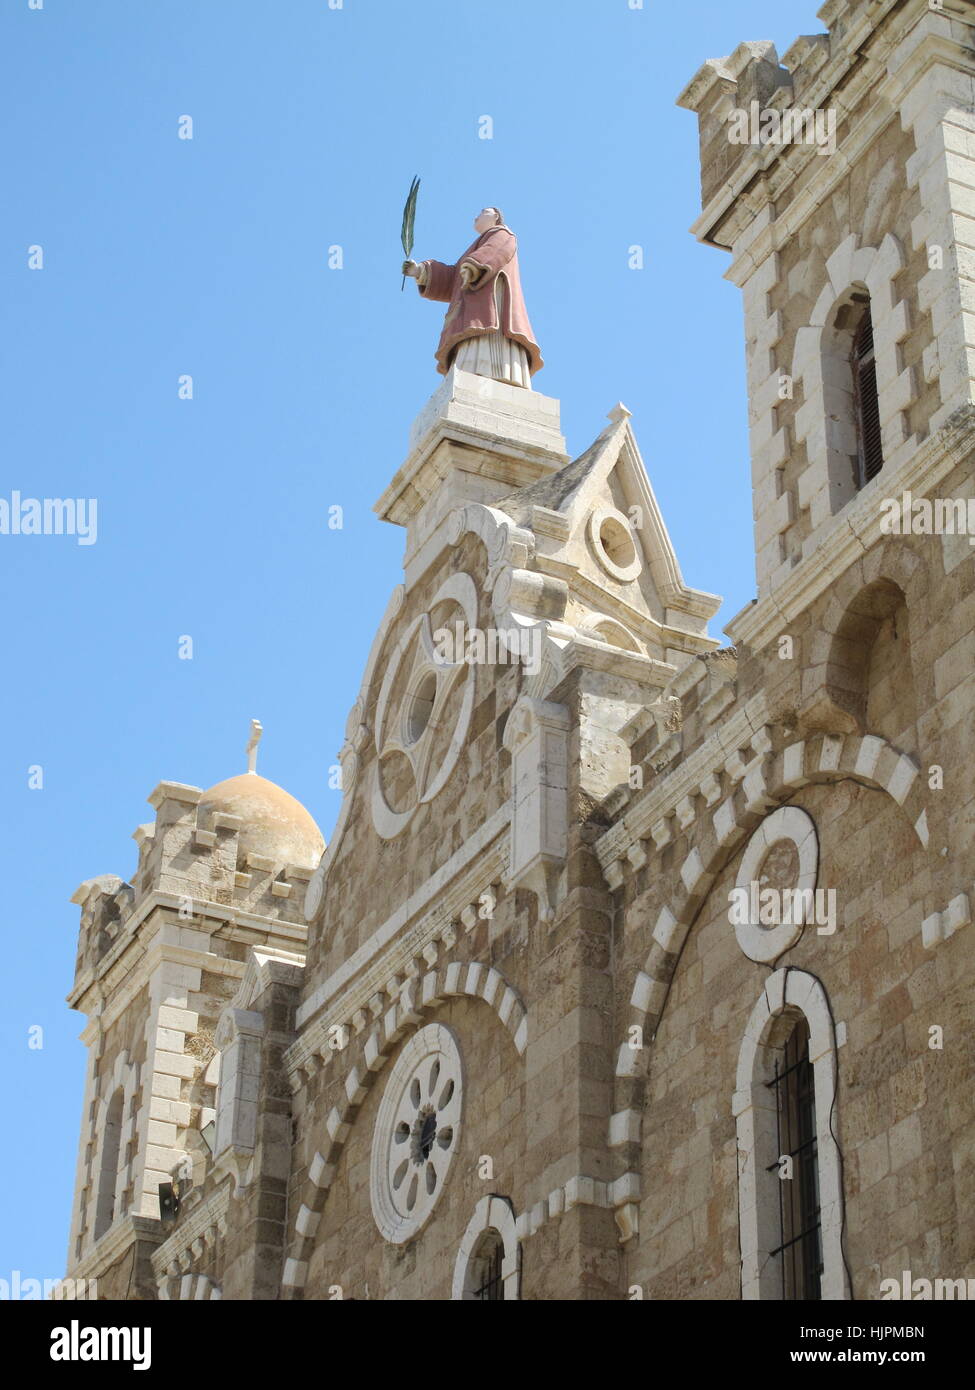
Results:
[660, 799]
[853, 532]
[233, 924]
[644, 625]
[113, 1244]
[592, 655]
[211, 1212]
[511, 434]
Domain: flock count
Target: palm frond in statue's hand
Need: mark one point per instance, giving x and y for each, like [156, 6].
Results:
[409, 216]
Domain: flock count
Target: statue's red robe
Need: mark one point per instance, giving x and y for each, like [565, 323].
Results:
[473, 311]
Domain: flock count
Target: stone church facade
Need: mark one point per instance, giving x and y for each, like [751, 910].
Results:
[636, 966]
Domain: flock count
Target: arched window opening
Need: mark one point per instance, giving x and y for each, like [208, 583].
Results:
[866, 403]
[790, 1191]
[485, 1280]
[799, 1253]
[846, 385]
[869, 670]
[108, 1170]
[488, 1265]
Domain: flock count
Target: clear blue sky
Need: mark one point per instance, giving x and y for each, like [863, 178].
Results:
[209, 257]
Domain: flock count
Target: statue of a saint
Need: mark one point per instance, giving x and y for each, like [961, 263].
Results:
[486, 328]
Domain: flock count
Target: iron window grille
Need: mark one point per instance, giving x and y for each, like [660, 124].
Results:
[800, 1248]
[489, 1284]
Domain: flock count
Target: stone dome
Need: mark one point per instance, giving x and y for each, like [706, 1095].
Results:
[274, 823]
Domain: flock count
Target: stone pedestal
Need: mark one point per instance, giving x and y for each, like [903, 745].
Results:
[476, 440]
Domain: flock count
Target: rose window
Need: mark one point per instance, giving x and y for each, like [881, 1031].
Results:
[416, 1132]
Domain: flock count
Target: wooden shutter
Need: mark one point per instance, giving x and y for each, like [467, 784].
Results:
[870, 456]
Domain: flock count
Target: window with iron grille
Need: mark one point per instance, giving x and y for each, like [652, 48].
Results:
[799, 1252]
[488, 1284]
[870, 457]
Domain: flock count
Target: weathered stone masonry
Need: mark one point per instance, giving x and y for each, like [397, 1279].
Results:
[503, 1036]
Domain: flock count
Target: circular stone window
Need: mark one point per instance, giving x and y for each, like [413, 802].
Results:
[417, 1131]
[775, 884]
[611, 538]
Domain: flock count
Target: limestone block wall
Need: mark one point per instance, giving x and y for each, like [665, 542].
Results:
[196, 858]
[107, 1175]
[599, 1019]
[940, 111]
[887, 211]
[158, 961]
[251, 1262]
[903, 1118]
[892, 807]
[800, 403]
[230, 1235]
[349, 1251]
[439, 828]
[530, 1004]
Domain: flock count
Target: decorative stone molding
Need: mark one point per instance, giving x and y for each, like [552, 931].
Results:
[792, 824]
[939, 109]
[532, 572]
[870, 760]
[410, 707]
[821, 361]
[754, 787]
[316, 1047]
[941, 926]
[356, 734]
[190, 1286]
[417, 1133]
[690, 787]
[196, 1233]
[367, 1056]
[787, 991]
[579, 1191]
[612, 544]
[491, 1214]
[433, 913]
[470, 427]
[238, 1039]
[525, 605]
[852, 538]
[113, 1246]
[169, 944]
[536, 735]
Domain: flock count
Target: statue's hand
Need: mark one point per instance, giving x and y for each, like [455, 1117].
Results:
[468, 274]
[410, 268]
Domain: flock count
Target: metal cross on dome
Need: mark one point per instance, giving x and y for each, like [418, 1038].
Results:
[255, 737]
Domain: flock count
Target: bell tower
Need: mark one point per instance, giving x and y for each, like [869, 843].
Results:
[842, 180]
[221, 875]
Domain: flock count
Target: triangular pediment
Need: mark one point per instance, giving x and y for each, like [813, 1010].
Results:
[598, 526]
